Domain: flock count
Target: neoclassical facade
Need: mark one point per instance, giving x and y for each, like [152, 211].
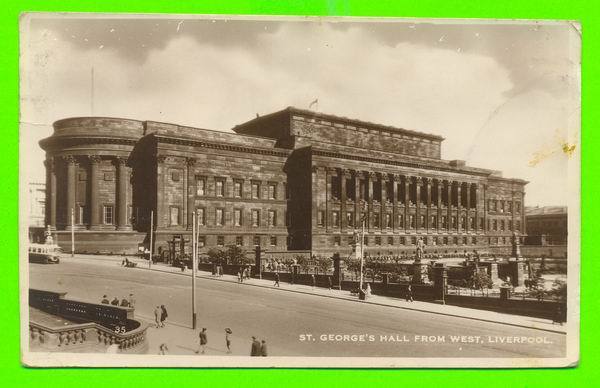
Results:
[291, 180]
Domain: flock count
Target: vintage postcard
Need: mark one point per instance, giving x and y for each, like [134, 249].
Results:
[203, 191]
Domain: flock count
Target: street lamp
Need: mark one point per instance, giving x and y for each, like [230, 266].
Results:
[362, 245]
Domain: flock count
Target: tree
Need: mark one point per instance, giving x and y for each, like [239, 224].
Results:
[481, 280]
[535, 285]
[323, 263]
[215, 255]
[559, 290]
[236, 256]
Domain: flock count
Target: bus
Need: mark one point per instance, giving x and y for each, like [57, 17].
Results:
[44, 253]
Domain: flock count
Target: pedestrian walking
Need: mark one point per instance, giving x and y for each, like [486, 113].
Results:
[263, 348]
[409, 295]
[228, 333]
[203, 341]
[157, 314]
[105, 300]
[276, 279]
[313, 280]
[163, 349]
[329, 282]
[163, 315]
[115, 301]
[239, 275]
[255, 349]
[131, 301]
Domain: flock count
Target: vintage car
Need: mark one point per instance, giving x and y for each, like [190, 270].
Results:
[44, 253]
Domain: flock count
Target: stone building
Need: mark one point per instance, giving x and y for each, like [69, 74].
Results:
[290, 180]
[546, 225]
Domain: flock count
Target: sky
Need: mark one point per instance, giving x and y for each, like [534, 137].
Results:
[505, 95]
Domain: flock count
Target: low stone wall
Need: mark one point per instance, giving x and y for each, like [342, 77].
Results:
[101, 242]
[527, 307]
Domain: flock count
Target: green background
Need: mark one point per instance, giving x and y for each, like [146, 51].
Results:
[587, 373]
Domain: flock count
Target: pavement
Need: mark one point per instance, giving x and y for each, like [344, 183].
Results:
[287, 316]
[434, 308]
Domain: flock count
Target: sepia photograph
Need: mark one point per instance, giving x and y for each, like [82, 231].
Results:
[239, 191]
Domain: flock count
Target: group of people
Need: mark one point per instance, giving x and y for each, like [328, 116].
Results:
[244, 273]
[160, 315]
[124, 302]
[217, 270]
[258, 348]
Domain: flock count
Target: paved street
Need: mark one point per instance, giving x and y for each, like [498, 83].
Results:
[282, 318]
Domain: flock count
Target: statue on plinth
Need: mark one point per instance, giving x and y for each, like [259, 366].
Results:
[48, 236]
[420, 250]
[516, 245]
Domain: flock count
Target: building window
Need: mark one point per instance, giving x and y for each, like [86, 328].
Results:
[220, 241]
[239, 241]
[255, 190]
[108, 214]
[201, 218]
[445, 240]
[501, 224]
[272, 191]
[201, 241]
[413, 240]
[174, 215]
[473, 240]
[337, 240]
[454, 222]
[463, 222]
[388, 220]
[501, 206]
[411, 220]
[495, 225]
[320, 218]
[237, 188]
[390, 240]
[377, 240]
[366, 240]
[400, 221]
[335, 187]
[422, 221]
[362, 189]
[219, 187]
[200, 185]
[510, 206]
[80, 214]
[272, 218]
[518, 207]
[350, 219]
[175, 176]
[219, 217]
[481, 223]
[455, 240]
[510, 225]
[433, 222]
[402, 240]
[335, 218]
[376, 220]
[518, 225]
[464, 241]
[444, 222]
[471, 223]
[273, 240]
[237, 217]
[256, 240]
[255, 218]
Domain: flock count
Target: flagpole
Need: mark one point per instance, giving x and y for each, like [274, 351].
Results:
[72, 232]
[194, 260]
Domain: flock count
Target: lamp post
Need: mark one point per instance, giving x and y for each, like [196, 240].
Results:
[362, 246]
[194, 263]
[151, 236]
[72, 232]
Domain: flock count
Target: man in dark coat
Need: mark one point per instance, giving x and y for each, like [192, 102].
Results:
[105, 300]
[263, 348]
[115, 302]
[276, 279]
[203, 341]
[255, 350]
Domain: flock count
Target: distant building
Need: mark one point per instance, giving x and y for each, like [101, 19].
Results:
[37, 204]
[546, 225]
[290, 180]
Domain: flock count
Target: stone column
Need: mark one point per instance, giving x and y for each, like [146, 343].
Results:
[329, 172]
[383, 180]
[407, 180]
[357, 201]
[523, 230]
[396, 180]
[71, 163]
[449, 216]
[468, 226]
[428, 216]
[370, 177]
[439, 204]
[160, 212]
[418, 181]
[95, 223]
[189, 192]
[122, 179]
[476, 209]
[343, 198]
[50, 193]
[458, 206]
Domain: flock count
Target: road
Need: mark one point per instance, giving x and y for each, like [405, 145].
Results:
[285, 319]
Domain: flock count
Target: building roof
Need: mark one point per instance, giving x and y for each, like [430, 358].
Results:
[341, 119]
[545, 210]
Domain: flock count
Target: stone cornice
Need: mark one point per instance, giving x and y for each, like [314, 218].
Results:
[54, 142]
[221, 146]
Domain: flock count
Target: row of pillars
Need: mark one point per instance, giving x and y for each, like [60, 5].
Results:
[71, 163]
